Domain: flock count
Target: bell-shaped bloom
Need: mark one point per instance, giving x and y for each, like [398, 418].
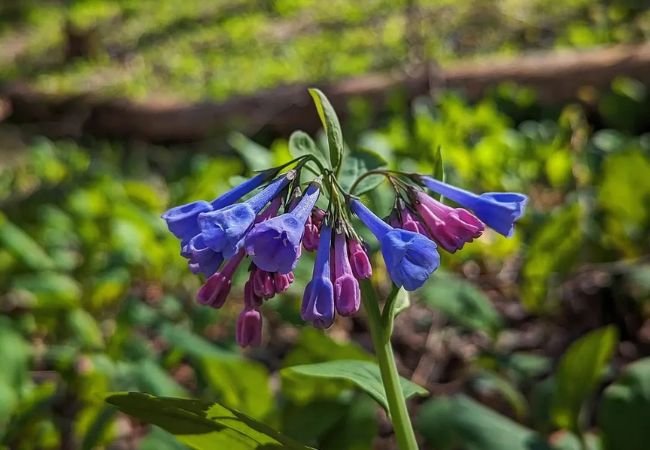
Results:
[282, 281]
[498, 210]
[201, 258]
[224, 229]
[182, 220]
[217, 287]
[450, 227]
[318, 298]
[249, 328]
[274, 245]
[359, 260]
[347, 296]
[410, 257]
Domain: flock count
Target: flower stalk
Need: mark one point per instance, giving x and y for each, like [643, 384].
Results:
[381, 330]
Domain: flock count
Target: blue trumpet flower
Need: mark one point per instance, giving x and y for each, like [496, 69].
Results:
[274, 245]
[410, 257]
[182, 220]
[318, 298]
[223, 229]
[498, 210]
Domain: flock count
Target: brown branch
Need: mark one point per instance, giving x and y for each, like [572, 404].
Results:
[557, 77]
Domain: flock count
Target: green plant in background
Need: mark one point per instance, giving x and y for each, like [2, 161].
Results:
[96, 299]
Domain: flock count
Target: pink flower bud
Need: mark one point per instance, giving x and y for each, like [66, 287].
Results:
[249, 328]
[263, 285]
[215, 290]
[359, 261]
[411, 223]
[450, 227]
[311, 237]
[347, 296]
[282, 281]
[217, 287]
[251, 300]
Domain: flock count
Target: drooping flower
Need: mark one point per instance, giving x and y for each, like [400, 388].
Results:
[274, 245]
[182, 220]
[410, 257]
[347, 296]
[318, 298]
[223, 229]
[216, 288]
[450, 227]
[498, 210]
[249, 328]
[359, 261]
[201, 258]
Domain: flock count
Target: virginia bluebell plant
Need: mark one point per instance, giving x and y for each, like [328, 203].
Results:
[272, 226]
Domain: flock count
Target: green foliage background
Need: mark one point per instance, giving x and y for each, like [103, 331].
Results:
[95, 298]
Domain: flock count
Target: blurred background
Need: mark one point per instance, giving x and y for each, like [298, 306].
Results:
[111, 111]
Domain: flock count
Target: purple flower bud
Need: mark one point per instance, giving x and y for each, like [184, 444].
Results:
[182, 220]
[224, 229]
[317, 216]
[318, 298]
[359, 261]
[251, 301]
[249, 328]
[450, 227]
[310, 239]
[274, 245]
[282, 281]
[498, 210]
[263, 284]
[347, 296]
[410, 257]
[217, 287]
[411, 223]
[201, 258]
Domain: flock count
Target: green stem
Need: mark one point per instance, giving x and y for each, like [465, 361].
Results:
[381, 340]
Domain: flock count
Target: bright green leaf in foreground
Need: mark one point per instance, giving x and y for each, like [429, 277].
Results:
[202, 425]
[364, 374]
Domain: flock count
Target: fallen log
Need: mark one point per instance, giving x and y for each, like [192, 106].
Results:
[558, 77]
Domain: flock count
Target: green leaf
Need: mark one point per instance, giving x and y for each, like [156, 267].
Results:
[254, 155]
[301, 144]
[332, 127]
[313, 346]
[22, 246]
[49, 290]
[461, 302]
[398, 300]
[460, 422]
[202, 425]
[578, 374]
[358, 163]
[364, 374]
[625, 409]
[86, 331]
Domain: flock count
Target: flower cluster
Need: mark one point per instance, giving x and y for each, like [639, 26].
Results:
[271, 228]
